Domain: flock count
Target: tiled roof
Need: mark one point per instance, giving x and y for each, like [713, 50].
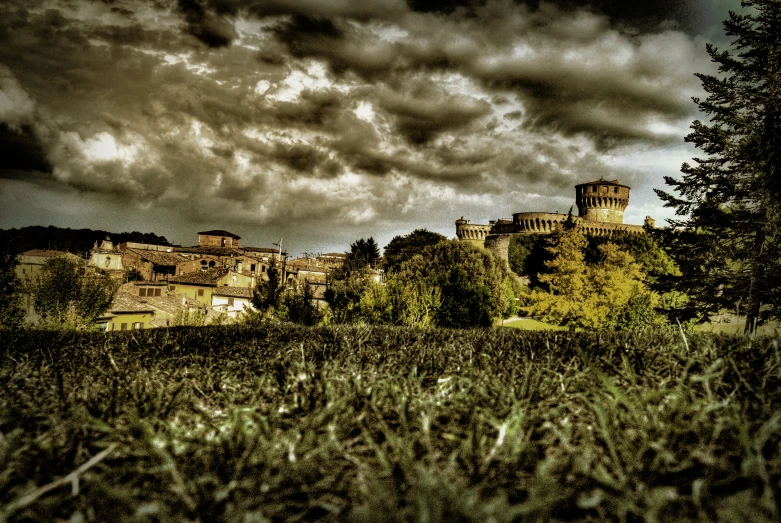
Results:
[216, 251]
[159, 258]
[220, 232]
[209, 277]
[235, 292]
[124, 302]
[269, 250]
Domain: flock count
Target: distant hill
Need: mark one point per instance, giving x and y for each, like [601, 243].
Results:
[77, 241]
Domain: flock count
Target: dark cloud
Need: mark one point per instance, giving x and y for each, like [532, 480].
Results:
[212, 29]
[422, 114]
[21, 152]
[321, 119]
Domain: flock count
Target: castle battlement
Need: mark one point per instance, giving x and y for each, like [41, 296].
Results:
[601, 205]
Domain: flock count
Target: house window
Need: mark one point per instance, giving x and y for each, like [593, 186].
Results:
[123, 327]
[230, 302]
[252, 267]
[264, 268]
[142, 292]
[223, 242]
[138, 325]
[173, 288]
[158, 291]
[200, 292]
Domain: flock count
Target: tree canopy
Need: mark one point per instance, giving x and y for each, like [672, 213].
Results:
[729, 200]
[65, 298]
[606, 292]
[402, 248]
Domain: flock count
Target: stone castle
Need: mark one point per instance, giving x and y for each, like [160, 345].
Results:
[601, 205]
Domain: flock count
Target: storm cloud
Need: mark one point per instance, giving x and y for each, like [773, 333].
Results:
[324, 120]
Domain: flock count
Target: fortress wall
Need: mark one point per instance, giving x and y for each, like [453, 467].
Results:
[469, 231]
[499, 245]
[538, 222]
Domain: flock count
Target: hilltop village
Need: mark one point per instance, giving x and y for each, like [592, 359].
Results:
[159, 282]
[216, 277]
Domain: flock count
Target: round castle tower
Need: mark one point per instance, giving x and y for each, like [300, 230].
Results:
[468, 231]
[602, 201]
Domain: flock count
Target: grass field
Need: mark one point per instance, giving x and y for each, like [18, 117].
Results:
[388, 424]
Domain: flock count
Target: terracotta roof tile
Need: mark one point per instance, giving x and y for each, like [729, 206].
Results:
[235, 292]
[160, 258]
[220, 232]
[209, 277]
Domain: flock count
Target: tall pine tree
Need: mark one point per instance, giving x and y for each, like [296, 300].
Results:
[730, 200]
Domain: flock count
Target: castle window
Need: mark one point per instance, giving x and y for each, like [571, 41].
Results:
[223, 242]
[594, 188]
[615, 189]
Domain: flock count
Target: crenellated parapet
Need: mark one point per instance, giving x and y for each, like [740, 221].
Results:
[602, 201]
[601, 205]
[472, 231]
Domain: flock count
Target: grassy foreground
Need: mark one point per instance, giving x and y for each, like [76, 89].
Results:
[388, 424]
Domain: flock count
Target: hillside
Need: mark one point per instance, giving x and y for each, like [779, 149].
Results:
[77, 241]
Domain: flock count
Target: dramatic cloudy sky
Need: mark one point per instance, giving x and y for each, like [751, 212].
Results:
[322, 121]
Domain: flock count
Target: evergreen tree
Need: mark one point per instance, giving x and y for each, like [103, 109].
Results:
[730, 200]
[363, 253]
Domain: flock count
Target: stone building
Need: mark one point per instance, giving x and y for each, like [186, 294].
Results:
[601, 205]
[107, 257]
[218, 238]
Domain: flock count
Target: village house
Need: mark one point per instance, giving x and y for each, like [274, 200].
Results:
[152, 265]
[198, 286]
[218, 238]
[126, 313]
[30, 263]
[232, 300]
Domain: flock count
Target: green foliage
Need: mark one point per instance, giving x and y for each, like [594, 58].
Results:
[527, 256]
[402, 248]
[287, 423]
[470, 283]
[189, 318]
[729, 237]
[608, 293]
[363, 253]
[65, 298]
[267, 293]
[11, 312]
[300, 307]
